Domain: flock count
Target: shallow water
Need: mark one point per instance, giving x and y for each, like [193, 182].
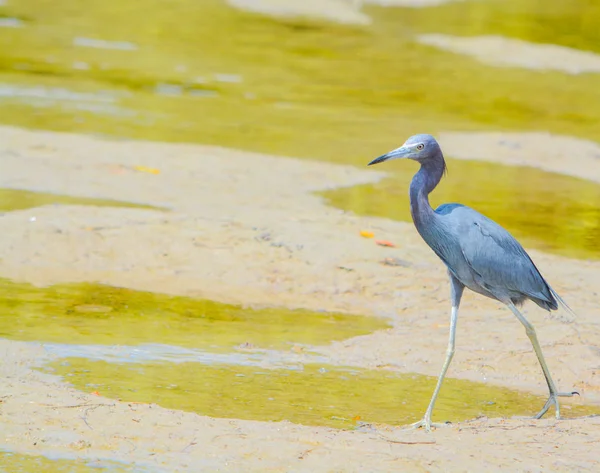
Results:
[17, 463]
[20, 199]
[204, 72]
[97, 314]
[317, 394]
[159, 352]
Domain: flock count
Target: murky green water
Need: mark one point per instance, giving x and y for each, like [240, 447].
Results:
[19, 199]
[97, 314]
[16, 463]
[316, 395]
[204, 72]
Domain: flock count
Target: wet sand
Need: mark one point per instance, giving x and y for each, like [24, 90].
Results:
[245, 228]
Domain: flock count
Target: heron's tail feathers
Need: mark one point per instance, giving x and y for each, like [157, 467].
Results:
[567, 315]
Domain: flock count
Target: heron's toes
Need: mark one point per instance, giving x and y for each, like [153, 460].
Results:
[553, 401]
[426, 424]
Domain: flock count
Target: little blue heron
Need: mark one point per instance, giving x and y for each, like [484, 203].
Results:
[478, 253]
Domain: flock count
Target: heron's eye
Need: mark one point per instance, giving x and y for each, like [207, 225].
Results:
[420, 146]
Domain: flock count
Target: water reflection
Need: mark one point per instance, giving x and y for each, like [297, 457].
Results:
[103, 44]
[158, 352]
[57, 97]
[8, 22]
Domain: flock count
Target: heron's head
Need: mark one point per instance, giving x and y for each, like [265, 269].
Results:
[417, 147]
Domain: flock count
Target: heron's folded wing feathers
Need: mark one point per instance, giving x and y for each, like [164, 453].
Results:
[498, 258]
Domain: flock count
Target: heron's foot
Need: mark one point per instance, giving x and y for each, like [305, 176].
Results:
[426, 424]
[553, 401]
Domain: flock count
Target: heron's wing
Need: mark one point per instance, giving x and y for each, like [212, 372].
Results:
[497, 257]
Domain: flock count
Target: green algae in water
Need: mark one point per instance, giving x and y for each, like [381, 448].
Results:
[98, 314]
[205, 72]
[317, 395]
[543, 210]
[17, 463]
[20, 199]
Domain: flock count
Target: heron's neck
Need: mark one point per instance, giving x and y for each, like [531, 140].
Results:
[422, 184]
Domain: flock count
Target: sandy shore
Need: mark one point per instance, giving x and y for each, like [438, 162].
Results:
[553, 153]
[509, 52]
[340, 11]
[221, 201]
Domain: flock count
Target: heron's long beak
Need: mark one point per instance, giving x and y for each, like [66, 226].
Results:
[395, 154]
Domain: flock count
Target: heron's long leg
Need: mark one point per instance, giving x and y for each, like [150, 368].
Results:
[456, 289]
[554, 394]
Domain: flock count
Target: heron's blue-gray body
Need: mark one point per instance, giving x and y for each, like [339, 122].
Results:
[479, 255]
